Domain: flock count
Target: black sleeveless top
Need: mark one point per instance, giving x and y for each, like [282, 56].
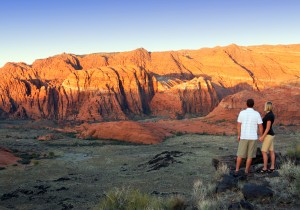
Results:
[269, 117]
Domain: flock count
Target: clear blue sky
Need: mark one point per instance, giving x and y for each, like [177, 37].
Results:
[33, 29]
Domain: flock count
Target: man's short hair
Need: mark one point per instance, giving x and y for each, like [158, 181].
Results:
[250, 103]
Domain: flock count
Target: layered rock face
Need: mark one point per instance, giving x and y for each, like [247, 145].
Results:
[118, 86]
[285, 99]
[197, 96]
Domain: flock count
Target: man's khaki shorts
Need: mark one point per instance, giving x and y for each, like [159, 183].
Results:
[268, 144]
[247, 148]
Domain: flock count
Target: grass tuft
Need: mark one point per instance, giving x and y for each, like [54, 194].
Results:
[221, 171]
[125, 199]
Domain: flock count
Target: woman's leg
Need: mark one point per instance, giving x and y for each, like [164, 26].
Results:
[272, 154]
[265, 158]
[268, 146]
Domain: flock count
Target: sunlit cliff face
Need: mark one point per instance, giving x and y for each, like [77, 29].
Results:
[139, 83]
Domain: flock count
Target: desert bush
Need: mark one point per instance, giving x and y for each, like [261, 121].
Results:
[51, 154]
[127, 199]
[295, 153]
[70, 134]
[35, 162]
[286, 187]
[220, 121]
[221, 171]
[283, 193]
[179, 133]
[297, 185]
[205, 198]
[24, 161]
[35, 155]
[289, 170]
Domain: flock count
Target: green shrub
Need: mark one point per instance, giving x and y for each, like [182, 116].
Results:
[71, 134]
[51, 154]
[34, 155]
[297, 185]
[206, 198]
[293, 154]
[203, 133]
[202, 195]
[35, 162]
[179, 133]
[24, 161]
[220, 172]
[128, 199]
[220, 121]
[289, 171]
[287, 186]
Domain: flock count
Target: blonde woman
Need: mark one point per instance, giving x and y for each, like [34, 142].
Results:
[267, 138]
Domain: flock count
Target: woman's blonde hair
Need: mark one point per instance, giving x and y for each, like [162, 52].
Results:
[268, 106]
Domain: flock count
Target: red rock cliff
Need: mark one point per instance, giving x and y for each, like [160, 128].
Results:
[112, 86]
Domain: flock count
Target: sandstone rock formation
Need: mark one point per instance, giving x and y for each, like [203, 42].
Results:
[130, 85]
[221, 121]
[123, 131]
[285, 99]
[7, 158]
[196, 96]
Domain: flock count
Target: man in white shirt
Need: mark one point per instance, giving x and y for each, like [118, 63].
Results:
[248, 121]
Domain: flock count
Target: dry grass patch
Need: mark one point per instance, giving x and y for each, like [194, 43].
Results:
[286, 187]
[128, 199]
[205, 196]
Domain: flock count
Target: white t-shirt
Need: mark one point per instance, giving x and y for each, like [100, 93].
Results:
[249, 118]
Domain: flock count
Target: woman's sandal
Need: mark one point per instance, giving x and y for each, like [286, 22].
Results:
[263, 171]
[271, 170]
[235, 173]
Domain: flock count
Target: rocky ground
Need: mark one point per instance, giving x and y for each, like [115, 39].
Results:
[59, 171]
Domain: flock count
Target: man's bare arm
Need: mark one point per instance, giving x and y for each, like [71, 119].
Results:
[261, 129]
[239, 125]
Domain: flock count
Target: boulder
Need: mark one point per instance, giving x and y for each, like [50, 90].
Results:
[241, 205]
[227, 183]
[261, 193]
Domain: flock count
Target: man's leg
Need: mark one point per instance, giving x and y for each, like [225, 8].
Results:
[248, 164]
[241, 153]
[238, 163]
[251, 153]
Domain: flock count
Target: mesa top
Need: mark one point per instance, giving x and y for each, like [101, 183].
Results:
[249, 118]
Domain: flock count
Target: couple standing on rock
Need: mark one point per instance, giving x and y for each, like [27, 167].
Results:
[248, 122]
